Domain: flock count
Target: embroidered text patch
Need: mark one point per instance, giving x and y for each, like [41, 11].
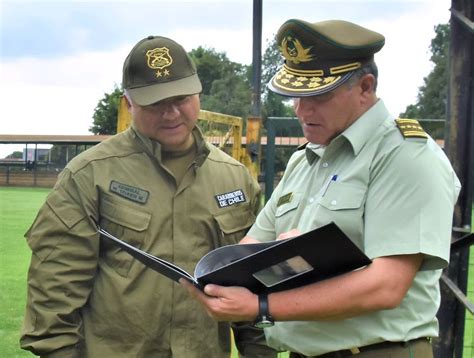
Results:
[231, 198]
[129, 192]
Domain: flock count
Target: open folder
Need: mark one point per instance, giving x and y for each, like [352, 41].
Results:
[268, 266]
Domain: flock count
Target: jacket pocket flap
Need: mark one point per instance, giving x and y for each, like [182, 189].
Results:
[235, 220]
[124, 214]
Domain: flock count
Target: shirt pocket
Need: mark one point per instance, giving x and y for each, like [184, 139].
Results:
[344, 204]
[129, 223]
[343, 196]
[287, 214]
[232, 225]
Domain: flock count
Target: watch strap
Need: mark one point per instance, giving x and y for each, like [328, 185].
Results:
[264, 319]
[263, 309]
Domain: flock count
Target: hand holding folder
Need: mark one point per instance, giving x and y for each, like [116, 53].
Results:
[268, 266]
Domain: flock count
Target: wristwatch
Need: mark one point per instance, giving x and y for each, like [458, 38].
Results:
[264, 319]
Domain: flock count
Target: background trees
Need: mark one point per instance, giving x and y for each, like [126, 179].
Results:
[106, 112]
[227, 87]
[226, 84]
[432, 95]
[431, 103]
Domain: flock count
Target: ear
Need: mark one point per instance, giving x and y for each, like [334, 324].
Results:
[127, 101]
[367, 84]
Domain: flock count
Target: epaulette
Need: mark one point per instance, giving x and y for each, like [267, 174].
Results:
[302, 146]
[411, 128]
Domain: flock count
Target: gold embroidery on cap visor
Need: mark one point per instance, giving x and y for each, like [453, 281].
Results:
[302, 81]
[159, 58]
[311, 81]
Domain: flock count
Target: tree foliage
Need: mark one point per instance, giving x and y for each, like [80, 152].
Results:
[226, 88]
[433, 94]
[106, 113]
[15, 155]
[274, 105]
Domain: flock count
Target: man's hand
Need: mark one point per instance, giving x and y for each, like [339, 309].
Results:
[225, 303]
[289, 234]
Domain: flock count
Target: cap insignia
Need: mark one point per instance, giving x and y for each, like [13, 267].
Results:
[411, 128]
[293, 50]
[158, 59]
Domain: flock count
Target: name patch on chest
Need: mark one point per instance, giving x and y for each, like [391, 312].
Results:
[129, 192]
[231, 198]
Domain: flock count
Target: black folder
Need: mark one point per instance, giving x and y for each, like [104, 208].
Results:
[268, 266]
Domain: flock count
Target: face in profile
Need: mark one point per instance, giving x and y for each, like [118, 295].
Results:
[325, 116]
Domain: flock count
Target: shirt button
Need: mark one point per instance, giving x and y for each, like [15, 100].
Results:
[334, 202]
[325, 164]
[311, 200]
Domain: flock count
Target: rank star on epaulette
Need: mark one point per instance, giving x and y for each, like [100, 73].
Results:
[410, 128]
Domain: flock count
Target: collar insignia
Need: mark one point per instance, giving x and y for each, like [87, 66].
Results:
[294, 51]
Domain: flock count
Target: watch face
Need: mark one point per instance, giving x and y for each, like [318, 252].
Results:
[264, 323]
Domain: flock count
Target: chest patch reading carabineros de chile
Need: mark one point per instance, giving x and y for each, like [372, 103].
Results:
[231, 198]
[129, 192]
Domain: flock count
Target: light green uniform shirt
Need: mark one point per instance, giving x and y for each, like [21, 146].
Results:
[391, 195]
[88, 298]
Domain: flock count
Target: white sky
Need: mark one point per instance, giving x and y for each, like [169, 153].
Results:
[59, 57]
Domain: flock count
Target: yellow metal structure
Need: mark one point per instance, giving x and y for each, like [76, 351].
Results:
[222, 130]
[124, 119]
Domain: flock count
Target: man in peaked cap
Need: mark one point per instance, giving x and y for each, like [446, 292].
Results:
[372, 175]
[155, 186]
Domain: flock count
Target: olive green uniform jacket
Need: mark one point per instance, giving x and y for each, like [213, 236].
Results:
[88, 298]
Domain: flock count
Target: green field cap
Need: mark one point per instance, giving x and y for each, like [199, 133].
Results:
[321, 56]
[158, 68]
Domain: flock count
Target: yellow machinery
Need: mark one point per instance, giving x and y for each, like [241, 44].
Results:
[222, 130]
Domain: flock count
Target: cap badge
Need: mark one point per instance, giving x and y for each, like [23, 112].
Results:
[294, 51]
[158, 59]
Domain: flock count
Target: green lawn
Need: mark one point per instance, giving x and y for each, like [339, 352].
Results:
[18, 207]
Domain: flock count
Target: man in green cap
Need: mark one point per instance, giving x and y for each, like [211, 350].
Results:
[383, 181]
[155, 186]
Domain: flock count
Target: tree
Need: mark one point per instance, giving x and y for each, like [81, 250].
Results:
[226, 85]
[274, 105]
[432, 96]
[106, 113]
[226, 89]
[15, 155]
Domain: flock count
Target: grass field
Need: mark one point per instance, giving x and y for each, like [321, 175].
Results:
[18, 207]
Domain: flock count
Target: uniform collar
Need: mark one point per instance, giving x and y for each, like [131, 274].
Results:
[314, 151]
[364, 128]
[153, 147]
[357, 134]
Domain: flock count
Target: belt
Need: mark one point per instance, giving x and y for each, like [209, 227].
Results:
[354, 351]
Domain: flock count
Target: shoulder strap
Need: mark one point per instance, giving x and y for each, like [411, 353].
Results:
[410, 128]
